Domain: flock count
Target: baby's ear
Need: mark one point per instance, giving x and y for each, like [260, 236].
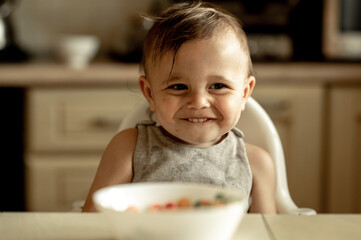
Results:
[144, 85]
[247, 90]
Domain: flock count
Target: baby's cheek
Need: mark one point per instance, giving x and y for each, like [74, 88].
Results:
[232, 113]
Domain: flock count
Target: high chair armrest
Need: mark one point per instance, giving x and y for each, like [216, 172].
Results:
[77, 206]
[303, 211]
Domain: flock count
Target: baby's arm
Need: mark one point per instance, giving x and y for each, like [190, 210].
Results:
[116, 166]
[264, 180]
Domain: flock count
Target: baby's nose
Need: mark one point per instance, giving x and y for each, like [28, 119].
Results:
[198, 100]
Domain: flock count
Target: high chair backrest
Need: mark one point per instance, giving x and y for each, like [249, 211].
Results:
[259, 130]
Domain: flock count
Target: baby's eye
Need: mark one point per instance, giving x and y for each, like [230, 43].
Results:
[178, 87]
[218, 86]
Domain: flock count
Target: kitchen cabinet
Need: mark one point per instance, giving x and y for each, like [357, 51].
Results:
[56, 181]
[67, 131]
[344, 169]
[297, 112]
[76, 119]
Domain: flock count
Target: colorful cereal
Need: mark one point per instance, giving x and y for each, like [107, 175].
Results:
[185, 203]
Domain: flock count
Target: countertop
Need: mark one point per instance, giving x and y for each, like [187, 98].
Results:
[34, 74]
[30, 225]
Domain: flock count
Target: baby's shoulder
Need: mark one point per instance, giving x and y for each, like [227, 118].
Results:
[130, 132]
[125, 139]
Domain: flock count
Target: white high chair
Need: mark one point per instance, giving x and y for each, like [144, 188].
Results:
[259, 130]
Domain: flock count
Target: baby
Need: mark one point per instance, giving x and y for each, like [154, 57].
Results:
[197, 77]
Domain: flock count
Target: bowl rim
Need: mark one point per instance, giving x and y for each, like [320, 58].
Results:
[239, 196]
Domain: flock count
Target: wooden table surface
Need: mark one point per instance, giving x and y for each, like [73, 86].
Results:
[31, 225]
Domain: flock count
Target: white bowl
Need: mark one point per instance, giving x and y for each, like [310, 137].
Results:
[208, 223]
[78, 50]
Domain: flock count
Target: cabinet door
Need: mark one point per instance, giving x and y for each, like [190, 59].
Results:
[344, 177]
[55, 181]
[297, 113]
[76, 119]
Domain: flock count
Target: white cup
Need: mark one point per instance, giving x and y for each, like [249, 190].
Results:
[78, 50]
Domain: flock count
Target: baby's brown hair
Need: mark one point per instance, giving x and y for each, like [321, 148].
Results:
[187, 21]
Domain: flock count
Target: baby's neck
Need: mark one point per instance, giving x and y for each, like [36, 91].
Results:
[174, 138]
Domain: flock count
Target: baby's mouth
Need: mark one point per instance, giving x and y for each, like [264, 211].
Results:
[197, 120]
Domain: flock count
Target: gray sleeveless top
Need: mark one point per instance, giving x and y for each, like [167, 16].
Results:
[158, 158]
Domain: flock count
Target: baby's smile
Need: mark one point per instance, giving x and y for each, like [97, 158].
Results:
[198, 120]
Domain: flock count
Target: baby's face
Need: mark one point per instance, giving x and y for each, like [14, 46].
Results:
[208, 87]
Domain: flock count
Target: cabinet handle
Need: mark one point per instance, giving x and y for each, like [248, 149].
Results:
[106, 123]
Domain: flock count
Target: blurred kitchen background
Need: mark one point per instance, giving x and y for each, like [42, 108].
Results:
[278, 30]
[57, 120]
